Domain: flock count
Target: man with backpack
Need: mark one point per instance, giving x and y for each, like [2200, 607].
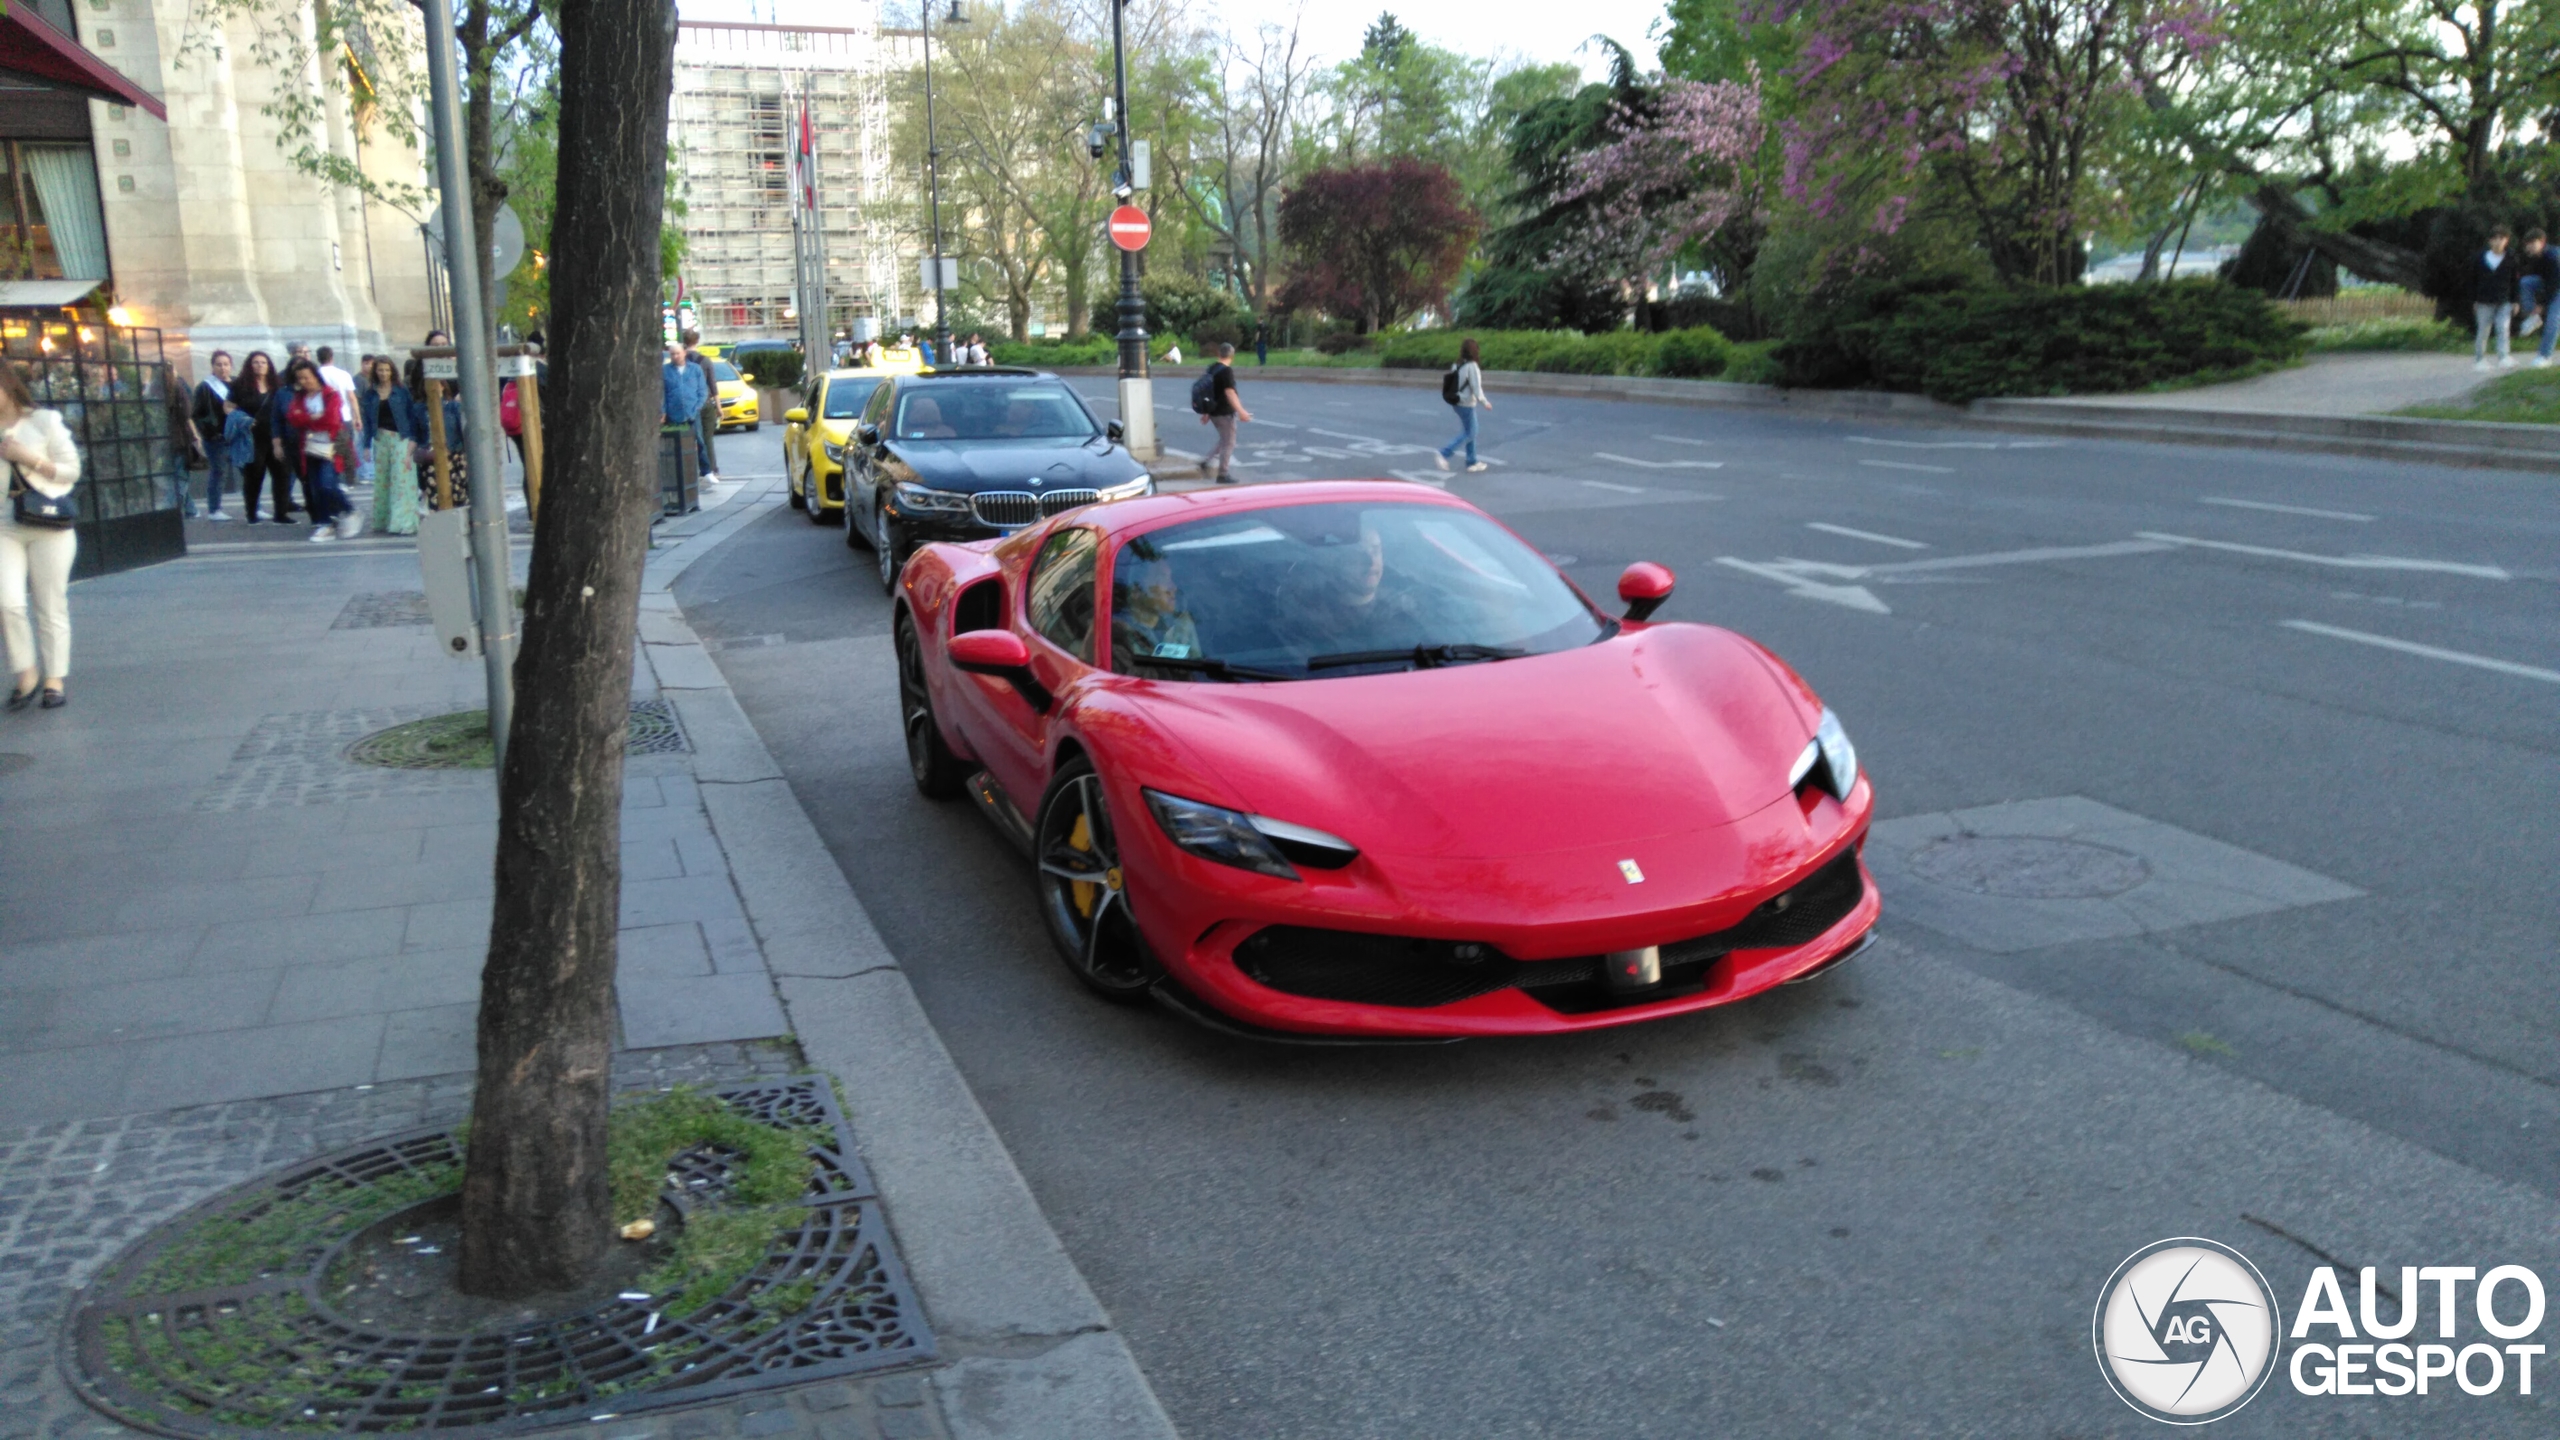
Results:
[1214, 400]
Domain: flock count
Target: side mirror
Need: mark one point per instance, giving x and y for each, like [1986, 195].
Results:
[1000, 653]
[1644, 586]
[795, 416]
[1112, 432]
[867, 433]
[745, 378]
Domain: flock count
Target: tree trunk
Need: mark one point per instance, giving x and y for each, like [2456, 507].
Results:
[2371, 259]
[536, 1215]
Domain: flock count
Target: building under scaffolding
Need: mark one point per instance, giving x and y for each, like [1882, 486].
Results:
[739, 94]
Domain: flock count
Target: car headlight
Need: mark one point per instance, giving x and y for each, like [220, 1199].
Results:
[1248, 842]
[1828, 757]
[1131, 490]
[834, 451]
[912, 496]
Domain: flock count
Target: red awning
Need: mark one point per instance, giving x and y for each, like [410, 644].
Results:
[31, 47]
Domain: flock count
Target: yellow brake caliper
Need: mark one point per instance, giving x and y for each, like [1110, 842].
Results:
[1081, 838]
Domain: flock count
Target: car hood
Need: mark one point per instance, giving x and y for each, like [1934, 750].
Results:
[1664, 730]
[1016, 464]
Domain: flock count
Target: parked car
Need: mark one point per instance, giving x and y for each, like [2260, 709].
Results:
[815, 436]
[968, 454]
[739, 406]
[1350, 760]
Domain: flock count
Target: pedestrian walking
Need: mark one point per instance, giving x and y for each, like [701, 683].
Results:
[317, 418]
[254, 394]
[2493, 300]
[395, 430]
[211, 413]
[2537, 286]
[1221, 408]
[1261, 344]
[336, 378]
[1463, 389]
[37, 543]
[706, 421]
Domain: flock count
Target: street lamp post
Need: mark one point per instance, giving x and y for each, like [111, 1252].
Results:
[1137, 388]
[933, 188]
[475, 372]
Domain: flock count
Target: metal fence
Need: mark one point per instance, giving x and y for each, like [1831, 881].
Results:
[112, 387]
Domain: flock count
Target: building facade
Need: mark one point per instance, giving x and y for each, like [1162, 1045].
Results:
[733, 129]
[203, 228]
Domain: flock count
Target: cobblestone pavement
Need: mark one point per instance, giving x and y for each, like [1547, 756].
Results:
[74, 1193]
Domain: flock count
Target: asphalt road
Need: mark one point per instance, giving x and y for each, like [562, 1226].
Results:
[1884, 1203]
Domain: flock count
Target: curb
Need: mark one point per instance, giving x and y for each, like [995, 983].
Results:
[1033, 1354]
[2470, 443]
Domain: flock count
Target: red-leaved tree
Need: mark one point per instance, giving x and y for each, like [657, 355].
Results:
[1376, 242]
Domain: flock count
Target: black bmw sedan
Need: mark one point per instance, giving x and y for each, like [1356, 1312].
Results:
[963, 455]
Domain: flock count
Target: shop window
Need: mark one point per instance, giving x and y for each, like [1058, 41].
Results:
[51, 225]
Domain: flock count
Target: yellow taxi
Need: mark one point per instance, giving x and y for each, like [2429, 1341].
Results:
[897, 360]
[739, 409]
[814, 436]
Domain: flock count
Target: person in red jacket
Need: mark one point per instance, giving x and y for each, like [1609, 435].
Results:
[317, 415]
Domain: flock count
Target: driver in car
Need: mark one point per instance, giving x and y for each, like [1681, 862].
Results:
[923, 417]
[1336, 598]
[1147, 617]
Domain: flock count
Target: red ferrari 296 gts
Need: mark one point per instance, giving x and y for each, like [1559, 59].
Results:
[1351, 761]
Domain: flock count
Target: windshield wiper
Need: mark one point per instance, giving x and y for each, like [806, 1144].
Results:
[1206, 665]
[1421, 656]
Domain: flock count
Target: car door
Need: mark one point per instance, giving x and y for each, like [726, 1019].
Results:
[1056, 621]
[865, 463]
[795, 438]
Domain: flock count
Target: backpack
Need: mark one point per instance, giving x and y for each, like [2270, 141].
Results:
[1449, 387]
[510, 409]
[1204, 393]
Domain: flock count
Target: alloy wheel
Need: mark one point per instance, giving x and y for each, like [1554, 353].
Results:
[1084, 893]
[938, 773]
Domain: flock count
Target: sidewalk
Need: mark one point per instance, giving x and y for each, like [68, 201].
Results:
[225, 946]
[2344, 384]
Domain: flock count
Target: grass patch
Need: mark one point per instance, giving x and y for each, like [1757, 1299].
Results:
[2528, 397]
[1352, 360]
[268, 1234]
[717, 1248]
[2201, 1043]
[2387, 333]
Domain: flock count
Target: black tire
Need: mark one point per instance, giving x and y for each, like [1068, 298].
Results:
[1083, 894]
[938, 773]
[817, 497]
[854, 539]
[891, 554]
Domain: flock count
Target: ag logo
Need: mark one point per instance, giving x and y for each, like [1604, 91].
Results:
[2186, 1330]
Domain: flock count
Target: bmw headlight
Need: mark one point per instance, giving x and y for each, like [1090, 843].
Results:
[1828, 757]
[834, 451]
[1248, 842]
[916, 498]
[1143, 485]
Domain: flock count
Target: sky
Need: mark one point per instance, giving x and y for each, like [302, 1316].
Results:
[1515, 29]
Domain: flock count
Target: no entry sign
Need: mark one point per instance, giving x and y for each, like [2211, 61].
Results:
[1129, 228]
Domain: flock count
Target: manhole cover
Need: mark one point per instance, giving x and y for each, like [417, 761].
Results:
[460, 741]
[11, 762]
[2028, 867]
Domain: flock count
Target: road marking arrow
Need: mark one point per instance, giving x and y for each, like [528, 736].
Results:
[1856, 597]
[2343, 562]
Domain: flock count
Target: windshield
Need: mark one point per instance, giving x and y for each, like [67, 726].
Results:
[972, 411]
[845, 398]
[1341, 589]
[723, 370]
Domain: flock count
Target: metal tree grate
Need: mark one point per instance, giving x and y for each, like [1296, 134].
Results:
[259, 1351]
[460, 740]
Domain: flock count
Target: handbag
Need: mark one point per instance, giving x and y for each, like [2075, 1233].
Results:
[319, 447]
[35, 508]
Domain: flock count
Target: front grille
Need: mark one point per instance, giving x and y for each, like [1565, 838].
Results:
[1013, 509]
[1392, 970]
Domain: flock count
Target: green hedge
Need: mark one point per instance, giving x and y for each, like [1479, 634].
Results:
[1696, 353]
[1096, 348]
[1955, 341]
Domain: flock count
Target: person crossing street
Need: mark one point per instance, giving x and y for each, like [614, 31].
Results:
[1463, 389]
[1225, 410]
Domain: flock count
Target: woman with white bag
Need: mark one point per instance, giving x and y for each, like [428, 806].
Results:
[37, 542]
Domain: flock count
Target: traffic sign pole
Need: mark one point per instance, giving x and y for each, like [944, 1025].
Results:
[1137, 390]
